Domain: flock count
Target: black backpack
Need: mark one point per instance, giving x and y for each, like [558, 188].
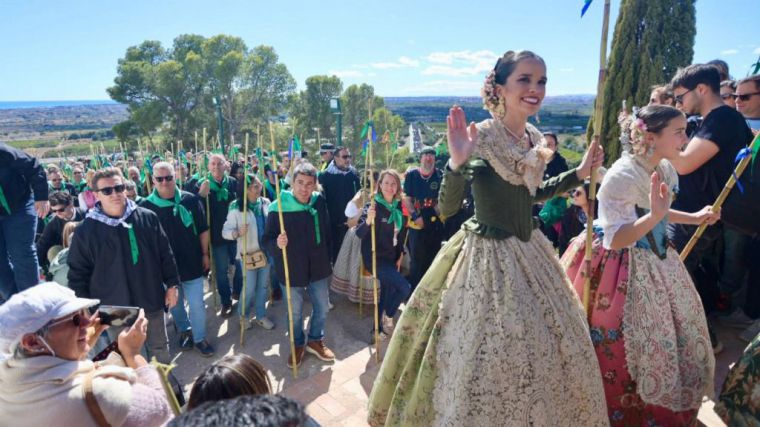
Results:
[741, 210]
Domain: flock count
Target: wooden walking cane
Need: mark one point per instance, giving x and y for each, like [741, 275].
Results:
[598, 118]
[212, 268]
[284, 256]
[245, 245]
[721, 198]
[374, 247]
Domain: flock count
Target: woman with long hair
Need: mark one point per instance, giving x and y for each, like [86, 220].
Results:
[494, 334]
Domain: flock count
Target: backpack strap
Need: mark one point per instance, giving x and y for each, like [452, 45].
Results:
[92, 403]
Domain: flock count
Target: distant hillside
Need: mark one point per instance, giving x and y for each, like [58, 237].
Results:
[564, 112]
[41, 122]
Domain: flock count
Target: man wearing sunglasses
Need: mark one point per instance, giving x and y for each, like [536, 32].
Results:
[63, 210]
[704, 167]
[748, 100]
[340, 182]
[184, 220]
[122, 256]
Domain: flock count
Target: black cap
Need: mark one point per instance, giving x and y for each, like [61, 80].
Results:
[324, 148]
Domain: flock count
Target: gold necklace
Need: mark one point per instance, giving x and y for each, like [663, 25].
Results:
[514, 134]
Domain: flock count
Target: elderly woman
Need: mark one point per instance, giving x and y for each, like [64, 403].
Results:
[44, 379]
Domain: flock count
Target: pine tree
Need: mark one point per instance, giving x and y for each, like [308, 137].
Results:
[652, 39]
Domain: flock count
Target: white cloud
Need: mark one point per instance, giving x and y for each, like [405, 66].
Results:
[729, 52]
[567, 70]
[345, 73]
[409, 62]
[757, 51]
[460, 63]
[403, 62]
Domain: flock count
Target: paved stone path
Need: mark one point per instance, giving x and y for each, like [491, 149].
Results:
[336, 394]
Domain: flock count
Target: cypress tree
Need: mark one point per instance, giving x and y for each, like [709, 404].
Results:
[652, 39]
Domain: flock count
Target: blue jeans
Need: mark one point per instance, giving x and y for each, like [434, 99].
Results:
[192, 291]
[256, 292]
[394, 288]
[18, 255]
[221, 263]
[319, 295]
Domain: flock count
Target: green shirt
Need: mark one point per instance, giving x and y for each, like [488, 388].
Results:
[502, 209]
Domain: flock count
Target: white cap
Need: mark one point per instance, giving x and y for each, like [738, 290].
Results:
[29, 310]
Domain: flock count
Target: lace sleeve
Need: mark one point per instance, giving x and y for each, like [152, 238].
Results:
[617, 207]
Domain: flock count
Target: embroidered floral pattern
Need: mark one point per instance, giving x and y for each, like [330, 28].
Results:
[739, 401]
[518, 162]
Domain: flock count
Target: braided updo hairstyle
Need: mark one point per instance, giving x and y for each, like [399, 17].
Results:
[652, 118]
[498, 76]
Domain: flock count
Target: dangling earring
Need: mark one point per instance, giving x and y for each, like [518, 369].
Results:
[650, 150]
[501, 109]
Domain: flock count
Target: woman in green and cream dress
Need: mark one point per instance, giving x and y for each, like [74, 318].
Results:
[494, 334]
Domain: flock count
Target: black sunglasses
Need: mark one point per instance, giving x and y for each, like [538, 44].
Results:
[679, 98]
[77, 319]
[109, 190]
[167, 178]
[347, 156]
[746, 96]
[725, 96]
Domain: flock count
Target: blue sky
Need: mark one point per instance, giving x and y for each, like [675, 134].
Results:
[66, 50]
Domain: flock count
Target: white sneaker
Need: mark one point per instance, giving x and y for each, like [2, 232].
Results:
[751, 332]
[330, 305]
[264, 323]
[387, 323]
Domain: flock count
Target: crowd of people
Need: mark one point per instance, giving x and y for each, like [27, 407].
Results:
[480, 266]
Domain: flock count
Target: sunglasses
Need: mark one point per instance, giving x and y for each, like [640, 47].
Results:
[679, 98]
[109, 190]
[167, 178]
[56, 180]
[78, 320]
[725, 96]
[575, 193]
[55, 211]
[347, 156]
[77, 173]
[745, 96]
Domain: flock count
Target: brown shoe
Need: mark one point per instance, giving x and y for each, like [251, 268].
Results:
[319, 349]
[299, 357]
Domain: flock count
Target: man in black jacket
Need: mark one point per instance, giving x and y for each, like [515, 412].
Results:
[220, 190]
[184, 220]
[56, 183]
[306, 220]
[340, 182]
[63, 210]
[23, 198]
[121, 256]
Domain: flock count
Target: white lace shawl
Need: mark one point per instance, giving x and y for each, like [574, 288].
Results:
[516, 161]
[625, 186]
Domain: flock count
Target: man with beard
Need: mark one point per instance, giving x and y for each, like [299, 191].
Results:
[340, 182]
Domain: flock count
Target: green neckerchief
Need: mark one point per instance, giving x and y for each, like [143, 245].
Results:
[396, 217]
[3, 201]
[184, 214]
[52, 189]
[133, 245]
[270, 188]
[222, 192]
[80, 187]
[291, 204]
[254, 207]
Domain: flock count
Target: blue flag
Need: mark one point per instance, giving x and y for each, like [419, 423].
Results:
[585, 7]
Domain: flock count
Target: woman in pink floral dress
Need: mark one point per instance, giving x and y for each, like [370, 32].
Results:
[646, 319]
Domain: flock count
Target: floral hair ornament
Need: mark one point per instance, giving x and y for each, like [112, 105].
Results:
[639, 123]
[488, 92]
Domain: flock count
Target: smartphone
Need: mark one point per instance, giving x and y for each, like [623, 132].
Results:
[116, 315]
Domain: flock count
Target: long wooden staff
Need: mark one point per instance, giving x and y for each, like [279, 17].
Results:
[212, 268]
[598, 118]
[721, 197]
[284, 256]
[245, 245]
[374, 245]
[163, 374]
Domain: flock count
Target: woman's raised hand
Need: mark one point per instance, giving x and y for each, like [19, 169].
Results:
[659, 197]
[462, 138]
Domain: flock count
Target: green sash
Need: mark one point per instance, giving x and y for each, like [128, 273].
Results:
[4, 202]
[291, 204]
[185, 215]
[396, 217]
[222, 191]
